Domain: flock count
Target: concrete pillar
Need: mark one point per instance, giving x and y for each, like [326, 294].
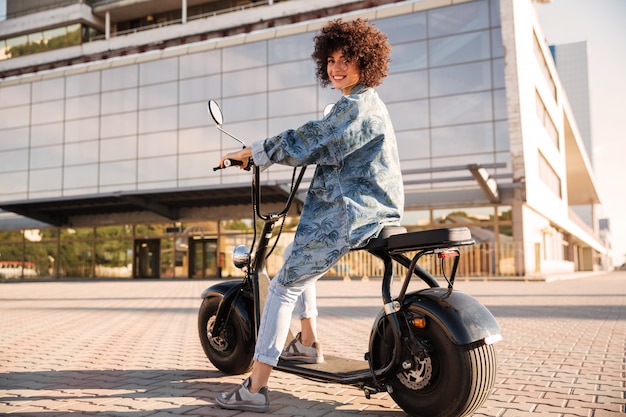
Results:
[184, 11]
[107, 25]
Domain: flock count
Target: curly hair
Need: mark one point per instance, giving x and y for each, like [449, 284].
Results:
[359, 41]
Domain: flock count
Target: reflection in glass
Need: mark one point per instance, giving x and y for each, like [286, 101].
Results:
[464, 78]
[293, 101]
[291, 74]
[158, 71]
[403, 28]
[465, 108]
[408, 56]
[290, 48]
[159, 95]
[46, 157]
[460, 18]
[459, 48]
[462, 139]
[120, 77]
[245, 56]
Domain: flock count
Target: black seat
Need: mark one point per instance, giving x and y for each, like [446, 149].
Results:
[396, 238]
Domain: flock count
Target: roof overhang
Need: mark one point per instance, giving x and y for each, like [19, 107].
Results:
[164, 204]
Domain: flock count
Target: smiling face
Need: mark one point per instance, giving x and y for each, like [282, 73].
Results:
[343, 74]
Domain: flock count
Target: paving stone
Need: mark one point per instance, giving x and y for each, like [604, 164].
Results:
[129, 348]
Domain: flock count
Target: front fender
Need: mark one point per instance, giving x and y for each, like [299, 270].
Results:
[242, 306]
[462, 317]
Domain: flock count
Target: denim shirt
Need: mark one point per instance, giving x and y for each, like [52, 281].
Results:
[356, 189]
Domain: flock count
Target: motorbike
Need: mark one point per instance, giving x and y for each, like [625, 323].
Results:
[432, 349]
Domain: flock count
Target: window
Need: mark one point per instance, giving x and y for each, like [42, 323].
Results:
[548, 175]
[546, 120]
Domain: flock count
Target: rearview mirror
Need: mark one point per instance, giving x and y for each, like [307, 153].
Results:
[216, 112]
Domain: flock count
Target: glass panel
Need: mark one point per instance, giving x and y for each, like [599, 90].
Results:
[291, 48]
[119, 101]
[168, 259]
[82, 129]
[50, 134]
[413, 144]
[124, 124]
[460, 18]
[404, 86]
[409, 115]
[14, 138]
[82, 84]
[200, 89]
[498, 73]
[13, 160]
[81, 107]
[76, 260]
[12, 117]
[155, 120]
[15, 95]
[293, 101]
[81, 153]
[499, 105]
[244, 108]
[193, 115]
[464, 215]
[121, 77]
[158, 71]
[14, 185]
[157, 169]
[159, 95]
[111, 232]
[459, 48]
[157, 144]
[408, 56]
[466, 108]
[291, 74]
[197, 165]
[121, 172]
[463, 139]
[52, 89]
[199, 140]
[280, 124]
[117, 149]
[114, 258]
[460, 78]
[10, 236]
[40, 258]
[497, 49]
[244, 82]
[76, 233]
[244, 56]
[46, 157]
[502, 136]
[200, 64]
[48, 112]
[46, 180]
[81, 177]
[403, 28]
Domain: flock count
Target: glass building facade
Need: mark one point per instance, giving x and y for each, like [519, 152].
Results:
[140, 124]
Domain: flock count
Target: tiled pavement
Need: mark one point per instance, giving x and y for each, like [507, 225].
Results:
[130, 349]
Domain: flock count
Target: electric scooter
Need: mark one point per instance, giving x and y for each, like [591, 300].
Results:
[431, 349]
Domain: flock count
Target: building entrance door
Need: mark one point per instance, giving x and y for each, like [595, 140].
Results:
[147, 258]
[202, 258]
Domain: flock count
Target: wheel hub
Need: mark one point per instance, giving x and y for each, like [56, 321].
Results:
[419, 375]
[217, 342]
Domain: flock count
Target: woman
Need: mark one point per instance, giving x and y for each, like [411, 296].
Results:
[356, 190]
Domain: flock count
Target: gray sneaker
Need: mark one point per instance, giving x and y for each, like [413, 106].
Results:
[296, 351]
[242, 399]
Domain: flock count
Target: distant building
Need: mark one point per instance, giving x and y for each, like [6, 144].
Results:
[106, 149]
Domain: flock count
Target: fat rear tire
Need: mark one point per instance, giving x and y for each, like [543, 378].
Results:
[228, 351]
[452, 381]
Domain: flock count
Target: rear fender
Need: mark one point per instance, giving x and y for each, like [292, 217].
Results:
[462, 317]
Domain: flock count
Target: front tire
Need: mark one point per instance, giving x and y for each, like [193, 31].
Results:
[231, 350]
[450, 381]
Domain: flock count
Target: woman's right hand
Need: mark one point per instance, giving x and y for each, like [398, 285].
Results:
[244, 156]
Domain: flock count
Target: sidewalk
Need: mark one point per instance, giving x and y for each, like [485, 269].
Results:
[130, 349]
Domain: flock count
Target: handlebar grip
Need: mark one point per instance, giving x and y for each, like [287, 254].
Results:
[233, 162]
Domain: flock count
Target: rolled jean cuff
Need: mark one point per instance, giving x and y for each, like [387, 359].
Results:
[265, 359]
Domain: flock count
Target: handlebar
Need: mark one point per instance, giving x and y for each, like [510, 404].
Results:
[234, 162]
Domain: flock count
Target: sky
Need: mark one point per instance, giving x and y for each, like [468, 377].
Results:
[602, 24]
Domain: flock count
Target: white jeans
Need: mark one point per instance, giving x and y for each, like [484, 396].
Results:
[279, 307]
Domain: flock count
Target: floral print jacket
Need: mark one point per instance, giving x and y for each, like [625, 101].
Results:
[357, 185]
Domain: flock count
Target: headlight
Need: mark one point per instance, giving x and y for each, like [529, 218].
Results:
[241, 256]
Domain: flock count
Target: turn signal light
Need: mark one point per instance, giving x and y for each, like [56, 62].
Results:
[418, 322]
